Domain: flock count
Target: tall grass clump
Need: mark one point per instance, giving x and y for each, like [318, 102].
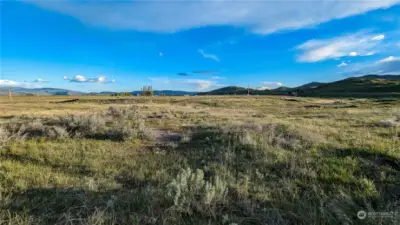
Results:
[269, 135]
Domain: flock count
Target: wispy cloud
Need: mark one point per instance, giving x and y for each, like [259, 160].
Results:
[10, 83]
[209, 56]
[378, 37]
[389, 59]
[217, 78]
[258, 16]
[183, 74]
[199, 85]
[40, 81]
[268, 85]
[191, 84]
[342, 64]
[359, 44]
[83, 79]
[272, 83]
[13, 83]
[388, 65]
[204, 71]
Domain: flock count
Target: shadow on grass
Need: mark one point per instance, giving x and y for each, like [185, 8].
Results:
[135, 202]
[77, 206]
[80, 170]
[377, 158]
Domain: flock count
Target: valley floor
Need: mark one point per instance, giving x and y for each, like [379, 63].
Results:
[198, 160]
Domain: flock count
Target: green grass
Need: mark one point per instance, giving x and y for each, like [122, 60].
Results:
[287, 164]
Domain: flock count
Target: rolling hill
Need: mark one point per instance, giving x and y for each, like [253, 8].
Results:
[363, 86]
[38, 91]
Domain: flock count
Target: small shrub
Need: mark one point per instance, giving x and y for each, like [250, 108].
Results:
[190, 189]
[4, 136]
[82, 126]
[121, 132]
[33, 129]
[55, 132]
[185, 138]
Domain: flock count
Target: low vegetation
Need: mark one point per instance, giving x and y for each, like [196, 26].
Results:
[200, 160]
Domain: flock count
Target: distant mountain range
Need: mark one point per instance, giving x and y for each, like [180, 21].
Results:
[38, 91]
[58, 91]
[363, 86]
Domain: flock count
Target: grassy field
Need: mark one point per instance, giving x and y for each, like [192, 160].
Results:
[198, 160]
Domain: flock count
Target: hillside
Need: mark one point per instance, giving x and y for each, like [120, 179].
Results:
[230, 90]
[38, 91]
[357, 87]
[310, 85]
[364, 86]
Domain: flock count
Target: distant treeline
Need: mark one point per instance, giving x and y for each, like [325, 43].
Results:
[145, 91]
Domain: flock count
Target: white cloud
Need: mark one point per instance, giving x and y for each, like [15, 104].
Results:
[217, 78]
[40, 81]
[268, 85]
[199, 85]
[378, 37]
[161, 54]
[272, 83]
[10, 83]
[388, 65]
[209, 56]
[342, 64]
[262, 88]
[389, 59]
[166, 16]
[353, 54]
[13, 83]
[359, 44]
[83, 79]
[190, 84]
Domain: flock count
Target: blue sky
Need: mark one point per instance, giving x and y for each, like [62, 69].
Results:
[195, 45]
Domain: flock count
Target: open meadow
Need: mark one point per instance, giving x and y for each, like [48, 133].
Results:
[198, 160]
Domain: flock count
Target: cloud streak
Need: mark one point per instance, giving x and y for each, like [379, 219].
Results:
[193, 84]
[388, 65]
[342, 64]
[40, 81]
[83, 79]
[217, 78]
[359, 44]
[13, 83]
[204, 71]
[268, 85]
[208, 56]
[165, 16]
